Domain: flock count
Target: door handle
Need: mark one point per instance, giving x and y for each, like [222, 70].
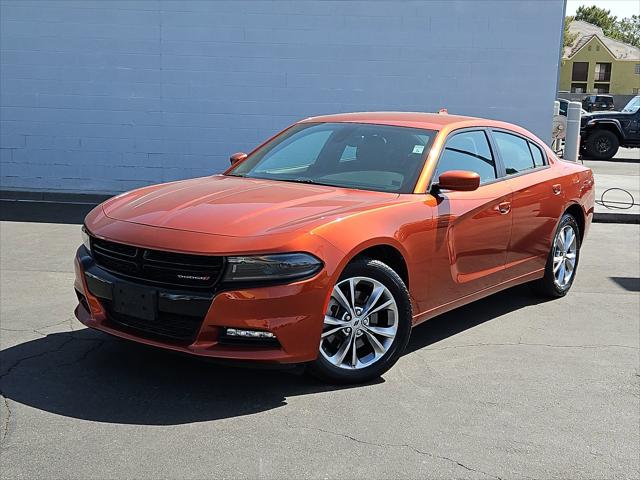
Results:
[557, 188]
[504, 207]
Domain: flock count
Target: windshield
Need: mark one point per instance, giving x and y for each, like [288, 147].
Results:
[352, 155]
[633, 105]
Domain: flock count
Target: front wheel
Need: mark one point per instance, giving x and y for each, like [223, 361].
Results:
[366, 326]
[560, 270]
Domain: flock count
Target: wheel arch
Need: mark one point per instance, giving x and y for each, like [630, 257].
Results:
[576, 211]
[386, 250]
[611, 125]
[390, 256]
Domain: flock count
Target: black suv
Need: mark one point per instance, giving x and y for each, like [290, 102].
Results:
[601, 133]
[596, 103]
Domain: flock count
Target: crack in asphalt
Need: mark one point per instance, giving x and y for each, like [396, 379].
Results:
[38, 330]
[400, 445]
[15, 365]
[5, 426]
[84, 356]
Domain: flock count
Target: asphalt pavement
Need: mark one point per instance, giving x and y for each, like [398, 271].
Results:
[617, 187]
[508, 387]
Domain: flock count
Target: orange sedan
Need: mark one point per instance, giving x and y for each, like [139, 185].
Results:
[328, 243]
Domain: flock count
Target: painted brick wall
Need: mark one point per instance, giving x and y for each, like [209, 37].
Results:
[103, 96]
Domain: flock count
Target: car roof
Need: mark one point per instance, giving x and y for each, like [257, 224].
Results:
[430, 121]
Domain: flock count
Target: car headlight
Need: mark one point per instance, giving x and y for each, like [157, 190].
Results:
[281, 266]
[86, 240]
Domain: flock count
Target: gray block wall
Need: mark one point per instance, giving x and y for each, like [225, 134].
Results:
[104, 96]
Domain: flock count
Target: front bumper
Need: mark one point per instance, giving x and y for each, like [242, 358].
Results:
[292, 312]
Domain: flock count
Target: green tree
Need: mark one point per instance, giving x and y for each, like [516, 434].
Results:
[626, 30]
[568, 38]
[597, 16]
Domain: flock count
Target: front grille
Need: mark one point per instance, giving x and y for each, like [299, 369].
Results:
[166, 326]
[177, 269]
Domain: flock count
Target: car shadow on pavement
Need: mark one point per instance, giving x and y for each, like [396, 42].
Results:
[89, 375]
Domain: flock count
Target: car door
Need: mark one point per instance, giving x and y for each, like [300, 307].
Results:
[633, 129]
[472, 228]
[535, 208]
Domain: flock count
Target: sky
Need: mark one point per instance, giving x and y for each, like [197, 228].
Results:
[619, 8]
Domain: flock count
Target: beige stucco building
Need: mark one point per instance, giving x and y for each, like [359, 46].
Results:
[598, 64]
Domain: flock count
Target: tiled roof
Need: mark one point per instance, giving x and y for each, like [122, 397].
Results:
[586, 31]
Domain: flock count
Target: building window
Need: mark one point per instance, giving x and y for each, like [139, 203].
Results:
[637, 71]
[635, 91]
[578, 88]
[601, 87]
[580, 71]
[603, 72]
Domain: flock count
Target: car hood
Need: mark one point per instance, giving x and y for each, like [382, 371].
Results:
[239, 207]
[608, 114]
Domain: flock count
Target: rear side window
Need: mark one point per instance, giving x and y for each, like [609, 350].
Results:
[515, 152]
[468, 151]
[538, 157]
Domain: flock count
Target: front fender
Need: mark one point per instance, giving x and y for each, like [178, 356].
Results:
[610, 124]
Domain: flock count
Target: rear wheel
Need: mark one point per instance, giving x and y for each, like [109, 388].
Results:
[560, 270]
[366, 326]
[602, 144]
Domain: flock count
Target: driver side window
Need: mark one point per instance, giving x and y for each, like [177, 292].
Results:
[468, 151]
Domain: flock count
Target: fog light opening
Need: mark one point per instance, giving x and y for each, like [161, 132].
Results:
[239, 333]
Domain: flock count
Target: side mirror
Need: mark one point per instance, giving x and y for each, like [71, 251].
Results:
[459, 180]
[237, 157]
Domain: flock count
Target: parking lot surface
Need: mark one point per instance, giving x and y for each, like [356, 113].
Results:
[617, 186]
[507, 387]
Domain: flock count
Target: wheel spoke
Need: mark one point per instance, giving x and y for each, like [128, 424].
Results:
[331, 332]
[388, 332]
[557, 261]
[568, 239]
[338, 358]
[354, 354]
[352, 291]
[342, 300]
[565, 274]
[571, 260]
[561, 274]
[373, 299]
[568, 265]
[329, 320]
[381, 307]
[375, 343]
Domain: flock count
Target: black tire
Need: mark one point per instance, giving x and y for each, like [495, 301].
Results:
[376, 270]
[602, 144]
[547, 286]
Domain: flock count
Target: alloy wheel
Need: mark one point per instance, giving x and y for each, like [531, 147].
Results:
[603, 145]
[565, 249]
[360, 324]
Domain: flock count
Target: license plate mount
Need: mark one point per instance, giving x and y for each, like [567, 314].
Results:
[135, 301]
